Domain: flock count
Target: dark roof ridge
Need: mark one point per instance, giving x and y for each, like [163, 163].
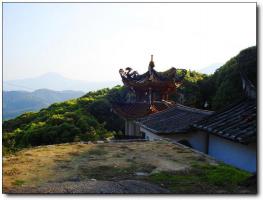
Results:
[227, 109]
[195, 110]
[236, 122]
[176, 119]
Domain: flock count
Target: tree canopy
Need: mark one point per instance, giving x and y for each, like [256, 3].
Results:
[90, 117]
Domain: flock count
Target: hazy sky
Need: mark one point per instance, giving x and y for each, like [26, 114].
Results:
[93, 41]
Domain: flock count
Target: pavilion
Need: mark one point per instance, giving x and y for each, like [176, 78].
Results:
[151, 90]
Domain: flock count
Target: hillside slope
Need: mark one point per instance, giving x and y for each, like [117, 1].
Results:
[17, 102]
[91, 118]
[227, 80]
[221, 88]
[86, 118]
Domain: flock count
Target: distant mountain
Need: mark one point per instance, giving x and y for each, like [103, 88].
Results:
[54, 81]
[18, 102]
[211, 68]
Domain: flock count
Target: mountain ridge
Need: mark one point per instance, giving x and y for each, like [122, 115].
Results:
[55, 81]
[18, 102]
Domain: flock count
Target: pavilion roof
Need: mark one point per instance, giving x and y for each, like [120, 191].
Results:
[169, 79]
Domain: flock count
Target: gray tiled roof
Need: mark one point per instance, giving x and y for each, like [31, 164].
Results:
[173, 120]
[238, 122]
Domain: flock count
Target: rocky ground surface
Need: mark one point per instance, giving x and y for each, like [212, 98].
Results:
[119, 168]
[96, 187]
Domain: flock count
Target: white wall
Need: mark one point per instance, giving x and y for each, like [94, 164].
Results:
[149, 135]
[196, 139]
[238, 155]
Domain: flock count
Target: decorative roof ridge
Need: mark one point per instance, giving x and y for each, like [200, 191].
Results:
[151, 64]
[248, 88]
[195, 110]
[131, 77]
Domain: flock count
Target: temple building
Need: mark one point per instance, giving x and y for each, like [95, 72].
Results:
[232, 132]
[151, 91]
[175, 124]
[229, 135]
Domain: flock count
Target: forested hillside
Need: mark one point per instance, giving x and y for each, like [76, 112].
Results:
[90, 117]
[86, 118]
[221, 88]
[225, 84]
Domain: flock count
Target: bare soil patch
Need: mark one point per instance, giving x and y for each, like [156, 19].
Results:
[97, 166]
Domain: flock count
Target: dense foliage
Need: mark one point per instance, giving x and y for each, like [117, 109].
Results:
[227, 80]
[90, 117]
[221, 88]
[86, 118]
[191, 91]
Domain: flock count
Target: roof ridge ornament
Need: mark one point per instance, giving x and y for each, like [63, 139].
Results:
[151, 64]
[150, 68]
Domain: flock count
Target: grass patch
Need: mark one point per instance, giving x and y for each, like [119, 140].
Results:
[202, 179]
[18, 182]
[224, 175]
[97, 152]
[115, 162]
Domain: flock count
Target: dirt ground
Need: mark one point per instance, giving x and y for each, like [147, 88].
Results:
[95, 187]
[94, 168]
